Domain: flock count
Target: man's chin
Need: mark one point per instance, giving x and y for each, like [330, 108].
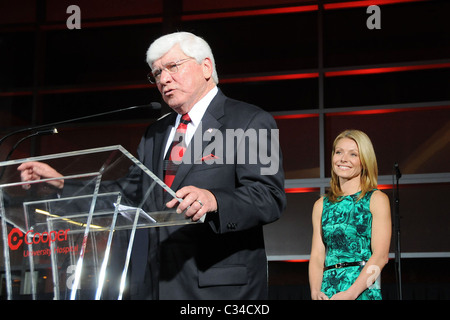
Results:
[178, 109]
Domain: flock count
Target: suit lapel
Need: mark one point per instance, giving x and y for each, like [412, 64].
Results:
[210, 122]
[159, 147]
[160, 144]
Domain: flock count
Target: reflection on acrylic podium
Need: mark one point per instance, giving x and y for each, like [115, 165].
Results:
[76, 242]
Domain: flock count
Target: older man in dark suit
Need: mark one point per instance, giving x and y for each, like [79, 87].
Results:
[224, 257]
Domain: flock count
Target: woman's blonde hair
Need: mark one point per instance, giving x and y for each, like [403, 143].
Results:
[369, 167]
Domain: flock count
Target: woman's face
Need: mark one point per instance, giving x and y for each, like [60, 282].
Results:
[346, 161]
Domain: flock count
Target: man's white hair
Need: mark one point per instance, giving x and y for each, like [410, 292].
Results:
[192, 46]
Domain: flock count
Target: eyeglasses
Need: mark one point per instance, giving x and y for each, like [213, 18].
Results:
[171, 67]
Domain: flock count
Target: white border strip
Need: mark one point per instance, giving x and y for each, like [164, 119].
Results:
[391, 255]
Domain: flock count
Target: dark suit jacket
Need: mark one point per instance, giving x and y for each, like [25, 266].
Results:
[224, 257]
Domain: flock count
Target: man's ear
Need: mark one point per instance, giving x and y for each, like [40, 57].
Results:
[207, 68]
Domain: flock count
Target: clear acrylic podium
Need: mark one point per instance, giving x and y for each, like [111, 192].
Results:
[76, 242]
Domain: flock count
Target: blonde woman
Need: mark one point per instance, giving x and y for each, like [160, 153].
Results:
[351, 225]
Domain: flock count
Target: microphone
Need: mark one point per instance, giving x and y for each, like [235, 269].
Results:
[151, 106]
[34, 134]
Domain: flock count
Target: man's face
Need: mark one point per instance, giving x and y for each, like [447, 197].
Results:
[182, 89]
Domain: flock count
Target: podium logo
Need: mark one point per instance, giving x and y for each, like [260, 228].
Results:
[16, 237]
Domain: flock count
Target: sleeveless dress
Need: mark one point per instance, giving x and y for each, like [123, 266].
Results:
[347, 233]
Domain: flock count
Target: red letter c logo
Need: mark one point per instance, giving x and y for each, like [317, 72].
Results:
[15, 236]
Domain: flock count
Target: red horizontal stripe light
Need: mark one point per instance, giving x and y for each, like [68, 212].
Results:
[295, 76]
[384, 111]
[102, 88]
[296, 116]
[105, 23]
[271, 78]
[230, 14]
[366, 3]
[386, 70]
[368, 112]
[245, 13]
[16, 93]
[301, 190]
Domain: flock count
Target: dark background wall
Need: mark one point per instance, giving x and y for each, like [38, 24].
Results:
[315, 65]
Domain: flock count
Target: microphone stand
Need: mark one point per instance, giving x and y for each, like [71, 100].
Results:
[34, 134]
[51, 127]
[398, 269]
[152, 106]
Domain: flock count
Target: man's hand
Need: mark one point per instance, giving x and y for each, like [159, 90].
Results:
[198, 201]
[31, 171]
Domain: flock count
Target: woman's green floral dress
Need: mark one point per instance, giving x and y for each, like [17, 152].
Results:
[347, 232]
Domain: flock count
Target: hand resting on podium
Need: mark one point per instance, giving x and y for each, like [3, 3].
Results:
[197, 201]
[31, 171]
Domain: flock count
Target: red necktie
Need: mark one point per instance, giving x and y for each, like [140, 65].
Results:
[176, 151]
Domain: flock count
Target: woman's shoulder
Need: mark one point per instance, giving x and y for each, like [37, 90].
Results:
[318, 205]
[379, 195]
[319, 202]
[379, 199]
